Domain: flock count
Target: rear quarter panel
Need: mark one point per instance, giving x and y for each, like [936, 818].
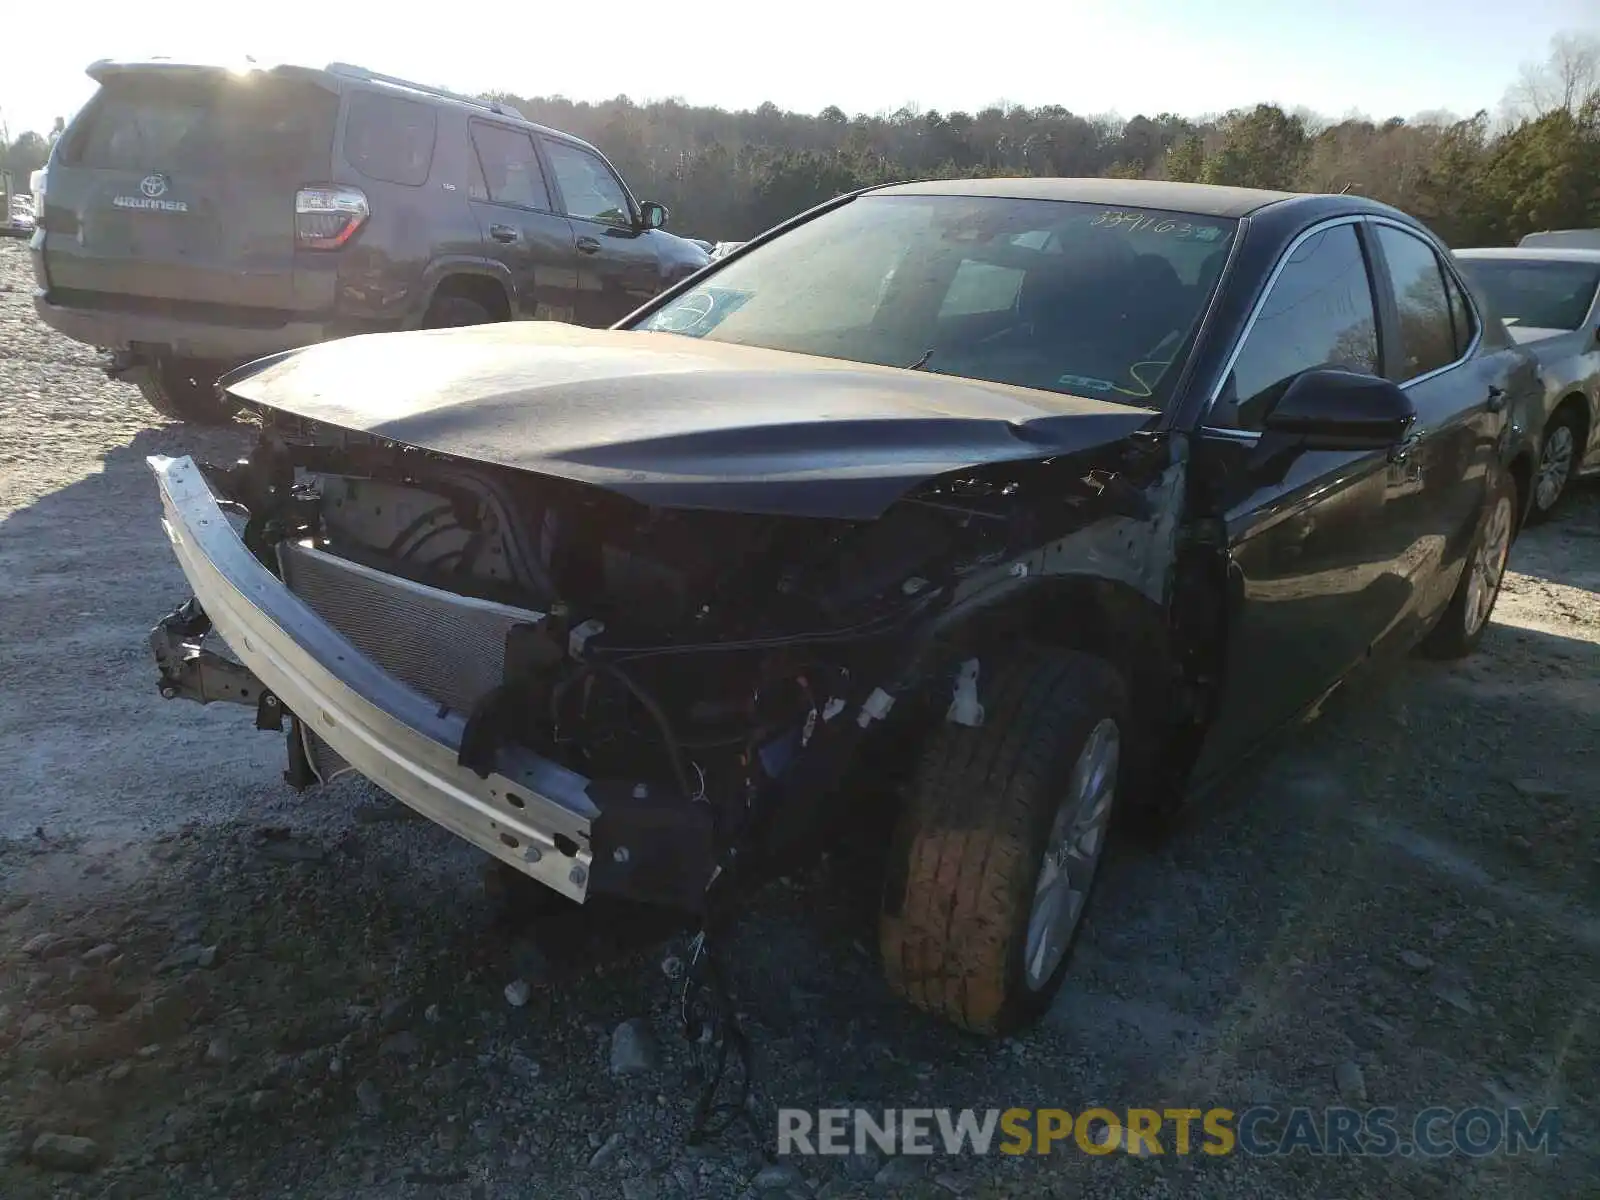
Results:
[386, 275]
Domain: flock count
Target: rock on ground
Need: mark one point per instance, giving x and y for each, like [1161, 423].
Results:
[64, 1152]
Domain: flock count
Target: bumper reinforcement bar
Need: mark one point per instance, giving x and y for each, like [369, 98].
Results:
[531, 813]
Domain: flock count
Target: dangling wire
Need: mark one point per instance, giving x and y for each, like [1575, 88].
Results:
[711, 1027]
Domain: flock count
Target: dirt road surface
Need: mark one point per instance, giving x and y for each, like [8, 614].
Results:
[229, 990]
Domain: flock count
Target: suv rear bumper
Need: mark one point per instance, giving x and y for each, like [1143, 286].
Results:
[186, 338]
[111, 329]
[529, 812]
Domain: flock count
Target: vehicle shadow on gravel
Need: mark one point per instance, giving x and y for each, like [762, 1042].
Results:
[85, 740]
[1397, 907]
[1563, 551]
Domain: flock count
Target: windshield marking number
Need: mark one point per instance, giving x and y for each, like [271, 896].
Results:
[1138, 222]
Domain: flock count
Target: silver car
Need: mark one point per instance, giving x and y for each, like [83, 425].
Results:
[1549, 297]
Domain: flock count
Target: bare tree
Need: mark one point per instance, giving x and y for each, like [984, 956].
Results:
[1566, 79]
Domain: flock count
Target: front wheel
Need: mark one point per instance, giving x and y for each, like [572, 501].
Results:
[997, 849]
[1466, 618]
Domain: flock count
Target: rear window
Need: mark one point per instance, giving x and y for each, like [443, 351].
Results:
[389, 138]
[253, 125]
[1535, 293]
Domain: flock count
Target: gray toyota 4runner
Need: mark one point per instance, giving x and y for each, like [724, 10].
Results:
[198, 217]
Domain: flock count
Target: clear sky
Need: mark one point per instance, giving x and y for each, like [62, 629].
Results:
[1380, 57]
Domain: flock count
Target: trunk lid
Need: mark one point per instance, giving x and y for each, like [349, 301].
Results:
[178, 184]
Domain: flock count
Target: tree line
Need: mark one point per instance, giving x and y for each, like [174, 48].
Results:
[1475, 180]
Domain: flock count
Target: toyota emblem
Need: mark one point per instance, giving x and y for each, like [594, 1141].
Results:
[153, 186]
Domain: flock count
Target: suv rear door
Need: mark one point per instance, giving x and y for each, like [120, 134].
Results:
[177, 184]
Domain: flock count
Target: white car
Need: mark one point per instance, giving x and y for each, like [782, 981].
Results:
[1562, 239]
[19, 220]
[1547, 290]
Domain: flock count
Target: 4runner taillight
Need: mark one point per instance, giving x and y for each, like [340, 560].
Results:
[325, 218]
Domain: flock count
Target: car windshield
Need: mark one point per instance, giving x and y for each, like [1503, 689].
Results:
[1083, 299]
[1534, 293]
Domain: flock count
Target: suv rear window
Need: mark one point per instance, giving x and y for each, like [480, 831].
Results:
[255, 126]
[1536, 293]
[389, 138]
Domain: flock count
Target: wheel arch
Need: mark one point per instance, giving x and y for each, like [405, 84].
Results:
[479, 279]
[1577, 403]
[1106, 618]
[1520, 469]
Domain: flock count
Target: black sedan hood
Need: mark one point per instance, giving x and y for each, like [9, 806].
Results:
[676, 421]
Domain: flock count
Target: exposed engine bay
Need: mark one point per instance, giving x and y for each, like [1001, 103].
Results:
[711, 672]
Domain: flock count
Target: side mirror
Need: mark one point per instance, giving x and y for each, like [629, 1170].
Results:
[1340, 410]
[652, 215]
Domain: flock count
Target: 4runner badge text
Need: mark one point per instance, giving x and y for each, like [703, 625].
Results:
[154, 187]
[173, 206]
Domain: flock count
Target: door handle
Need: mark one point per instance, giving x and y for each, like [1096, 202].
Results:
[503, 233]
[588, 245]
[1497, 398]
[1401, 451]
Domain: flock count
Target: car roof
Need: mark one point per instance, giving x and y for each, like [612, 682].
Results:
[336, 77]
[1200, 199]
[1538, 253]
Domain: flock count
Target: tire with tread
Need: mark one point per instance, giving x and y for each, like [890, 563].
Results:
[970, 840]
[185, 391]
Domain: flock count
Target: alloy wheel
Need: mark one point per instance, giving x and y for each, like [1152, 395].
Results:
[1488, 565]
[1555, 466]
[1072, 853]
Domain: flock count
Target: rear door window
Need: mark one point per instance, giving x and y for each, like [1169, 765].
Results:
[1462, 318]
[1427, 334]
[255, 127]
[510, 166]
[390, 138]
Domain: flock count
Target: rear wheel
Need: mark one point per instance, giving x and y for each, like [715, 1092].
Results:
[997, 849]
[1462, 626]
[448, 312]
[185, 390]
[1558, 462]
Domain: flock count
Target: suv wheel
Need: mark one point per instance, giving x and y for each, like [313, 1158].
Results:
[185, 391]
[996, 851]
[448, 312]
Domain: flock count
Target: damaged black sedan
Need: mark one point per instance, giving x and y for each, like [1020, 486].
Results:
[1066, 492]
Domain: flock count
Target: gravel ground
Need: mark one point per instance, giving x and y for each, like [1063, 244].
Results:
[234, 991]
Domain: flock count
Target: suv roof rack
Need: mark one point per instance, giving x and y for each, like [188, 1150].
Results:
[351, 71]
